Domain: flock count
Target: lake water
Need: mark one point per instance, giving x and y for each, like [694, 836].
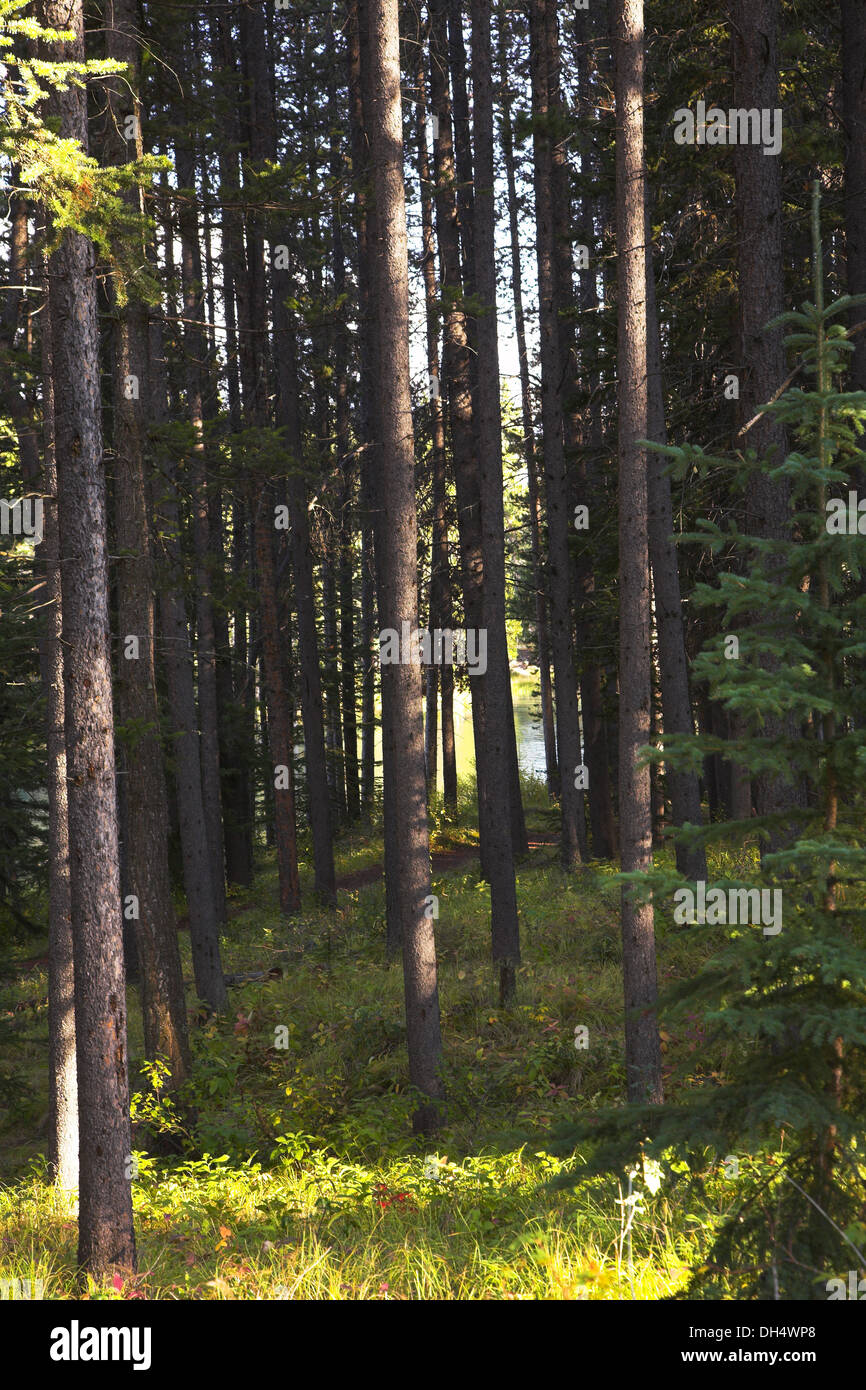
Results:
[526, 697]
[527, 723]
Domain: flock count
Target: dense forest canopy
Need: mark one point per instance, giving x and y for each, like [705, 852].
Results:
[433, 628]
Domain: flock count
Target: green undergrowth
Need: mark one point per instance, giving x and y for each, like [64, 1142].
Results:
[287, 1167]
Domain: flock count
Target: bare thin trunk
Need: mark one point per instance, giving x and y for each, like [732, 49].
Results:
[500, 861]
[194, 345]
[177, 662]
[642, 1045]
[456, 376]
[62, 1072]
[573, 842]
[854, 120]
[683, 787]
[760, 275]
[440, 613]
[147, 872]
[535, 502]
[407, 861]
[367, 436]
[106, 1238]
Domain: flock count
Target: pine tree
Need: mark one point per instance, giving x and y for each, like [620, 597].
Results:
[148, 881]
[784, 997]
[106, 1235]
[408, 864]
[573, 834]
[643, 1051]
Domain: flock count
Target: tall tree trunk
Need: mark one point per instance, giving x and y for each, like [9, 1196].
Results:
[761, 297]
[408, 863]
[308, 670]
[642, 1044]
[147, 871]
[580, 468]
[348, 678]
[456, 374]
[264, 147]
[234, 761]
[460, 385]
[542, 634]
[346, 465]
[500, 862]
[331, 673]
[195, 347]
[233, 686]
[457, 67]
[368, 444]
[276, 696]
[466, 205]
[106, 1238]
[441, 611]
[573, 841]
[854, 122]
[177, 663]
[178, 659]
[62, 1072]
[590, 490]
[14, 308]
[370, 396]
[62, 1079]
[277, 704]
[436, 420]
[683, 787]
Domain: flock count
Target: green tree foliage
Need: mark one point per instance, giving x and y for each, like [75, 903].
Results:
[784, 998]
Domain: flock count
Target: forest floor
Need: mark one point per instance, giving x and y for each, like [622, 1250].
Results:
[295, 1173]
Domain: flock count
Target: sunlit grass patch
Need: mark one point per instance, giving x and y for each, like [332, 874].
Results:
[296, 1175]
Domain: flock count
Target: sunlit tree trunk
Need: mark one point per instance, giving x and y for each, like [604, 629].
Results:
[106, 1238]
[642, 1044]
[573, 833]
[408, 865]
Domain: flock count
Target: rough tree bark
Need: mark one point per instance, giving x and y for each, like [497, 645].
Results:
[368, 445]
[261, 136]
[642, 1044]
[195, 349]
[106, 1237]
[178, 665]
[62, 1070]
[441, 613]
[408, 864]
[590, 489]
[542, 633]
[760, 275]
[40, 477]
[854, 122]
[684, 789]
[347, 469]
[147, 871]
[500, 860]
[263, 144]
[234, 697]
[573, 834]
